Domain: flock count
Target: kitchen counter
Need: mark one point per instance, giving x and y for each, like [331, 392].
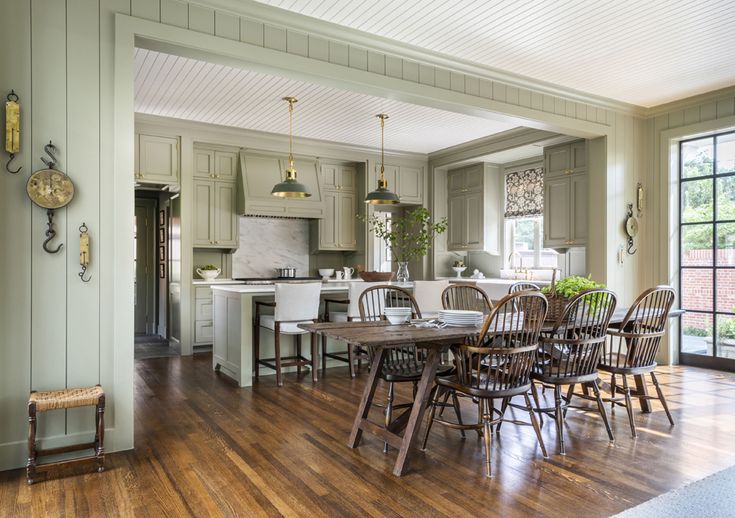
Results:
[203, 282]
[233, 327]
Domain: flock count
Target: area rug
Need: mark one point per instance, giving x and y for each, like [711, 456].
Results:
[148, 347]
[712, 496]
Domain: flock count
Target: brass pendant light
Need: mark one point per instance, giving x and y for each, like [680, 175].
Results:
[290, 187]
[381, 195]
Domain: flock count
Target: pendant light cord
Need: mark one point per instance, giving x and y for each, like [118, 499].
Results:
[290, 133]
[382, 117]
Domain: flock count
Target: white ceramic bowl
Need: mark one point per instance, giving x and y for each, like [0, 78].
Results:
[326, 273]
[397, 311]
[397, 319]
[208, 275]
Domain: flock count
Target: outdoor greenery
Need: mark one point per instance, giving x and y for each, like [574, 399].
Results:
[409, 236]
[695, 331]
[698, 205]
[570, 286]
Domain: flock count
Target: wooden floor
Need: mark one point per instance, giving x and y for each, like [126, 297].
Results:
[206, 448]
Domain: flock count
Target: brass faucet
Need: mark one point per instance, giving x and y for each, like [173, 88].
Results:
[516, 269]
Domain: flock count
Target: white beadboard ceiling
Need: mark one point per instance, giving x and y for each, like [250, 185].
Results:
[183, 88]
[644, 52]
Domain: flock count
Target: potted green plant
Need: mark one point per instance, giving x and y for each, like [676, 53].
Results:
[559, 293]
[408, 237]
[208, 272]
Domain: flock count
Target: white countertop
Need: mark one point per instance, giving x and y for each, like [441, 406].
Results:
[264, 289]
[494, 280]
[215, 281]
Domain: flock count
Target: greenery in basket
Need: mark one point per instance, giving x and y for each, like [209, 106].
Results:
[209, 267]
[570, 286]
[409, 236]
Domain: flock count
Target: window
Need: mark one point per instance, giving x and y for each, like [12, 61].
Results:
[524, 209]
[707, 249]
[383, 259]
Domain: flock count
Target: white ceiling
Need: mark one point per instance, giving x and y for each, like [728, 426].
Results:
[173, 86]
[644, 52]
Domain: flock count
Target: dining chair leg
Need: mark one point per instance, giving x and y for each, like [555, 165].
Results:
[568, 399]
[487, 417]
[256, 351]
[503, 407]
[603, 412]
[277, 344]
[536, 427]
[559, 415]
[534, 393]
[613, 389]
[298, 356]
[628, 405]
[314, 358]
[444, 402]
[458, 411]
[388, 412]
[491, 404]
[324, 353]
[351, 359]
[432, 413]
[661, 398]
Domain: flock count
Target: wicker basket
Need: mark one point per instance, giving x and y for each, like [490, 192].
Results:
[557, 303]
[376, 276]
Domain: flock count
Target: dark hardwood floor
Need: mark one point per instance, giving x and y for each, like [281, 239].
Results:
[206, 448]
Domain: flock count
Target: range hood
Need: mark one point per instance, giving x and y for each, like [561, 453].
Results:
[261, 170]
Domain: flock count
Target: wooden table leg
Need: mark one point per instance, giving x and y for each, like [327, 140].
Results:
[367, 396]
[417, 411]
[642, 390]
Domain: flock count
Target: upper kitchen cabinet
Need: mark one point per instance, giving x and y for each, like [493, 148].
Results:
[215, 198]
[262, 170]
[406, 181]
[156, 159]
[215, 164]
[565, 196]
[473, 218]
[336, 230]
[565, 159]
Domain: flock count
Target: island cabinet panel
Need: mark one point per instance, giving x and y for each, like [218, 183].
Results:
[262, 170]
[156, 159]
[336, 230]
[566, 195]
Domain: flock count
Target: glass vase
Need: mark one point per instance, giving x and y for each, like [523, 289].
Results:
[402, 273]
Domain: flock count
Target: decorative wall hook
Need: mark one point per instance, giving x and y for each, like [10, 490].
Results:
[50, 149]
[51, 233]
[84, 251]
[12, 129]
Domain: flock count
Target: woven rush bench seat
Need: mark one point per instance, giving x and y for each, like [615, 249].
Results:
[60, 400]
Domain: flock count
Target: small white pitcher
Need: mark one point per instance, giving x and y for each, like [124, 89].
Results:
[348, 272]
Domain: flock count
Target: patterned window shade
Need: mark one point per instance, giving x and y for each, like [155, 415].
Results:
[524, 193]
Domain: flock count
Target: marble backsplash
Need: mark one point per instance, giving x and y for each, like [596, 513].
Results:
[268, 243]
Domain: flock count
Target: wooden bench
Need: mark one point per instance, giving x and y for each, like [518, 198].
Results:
[64, 399]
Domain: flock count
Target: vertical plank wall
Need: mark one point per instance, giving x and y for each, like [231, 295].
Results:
[55, 328]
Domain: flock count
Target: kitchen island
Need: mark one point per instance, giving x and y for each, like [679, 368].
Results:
[233, 327]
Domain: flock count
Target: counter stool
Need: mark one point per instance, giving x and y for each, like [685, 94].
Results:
[58, 400]
[428, 295]
[295, 304]
[353, 313]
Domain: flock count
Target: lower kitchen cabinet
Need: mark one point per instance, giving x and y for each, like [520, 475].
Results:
[215, 219]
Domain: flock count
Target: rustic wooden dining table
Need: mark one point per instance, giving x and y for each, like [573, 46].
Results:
[402, 432]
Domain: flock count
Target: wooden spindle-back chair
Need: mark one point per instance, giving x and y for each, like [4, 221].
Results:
[466, 297]
[632, 347]
[570, 354]
[497, 364]
[523, 286]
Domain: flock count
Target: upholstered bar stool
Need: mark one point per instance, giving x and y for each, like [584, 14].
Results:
[428, 295]
[294, 304]
[60, 400]
[352, 313]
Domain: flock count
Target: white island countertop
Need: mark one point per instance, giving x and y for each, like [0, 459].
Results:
[204, 282]
[263, 289]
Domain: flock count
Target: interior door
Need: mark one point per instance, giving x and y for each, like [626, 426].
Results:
[144, 274]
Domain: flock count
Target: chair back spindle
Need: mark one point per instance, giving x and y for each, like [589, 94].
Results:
[466, 297]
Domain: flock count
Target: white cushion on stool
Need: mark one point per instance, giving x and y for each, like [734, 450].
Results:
[287, 328]
[341, 316]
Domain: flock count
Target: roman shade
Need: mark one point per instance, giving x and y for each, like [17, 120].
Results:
[524, 193]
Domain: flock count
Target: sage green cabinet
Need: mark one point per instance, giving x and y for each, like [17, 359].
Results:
[156, 159]
[466, 210]
[214, 164]
[407, 182]
[336, 230]
[215, 219]
[566, 186]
